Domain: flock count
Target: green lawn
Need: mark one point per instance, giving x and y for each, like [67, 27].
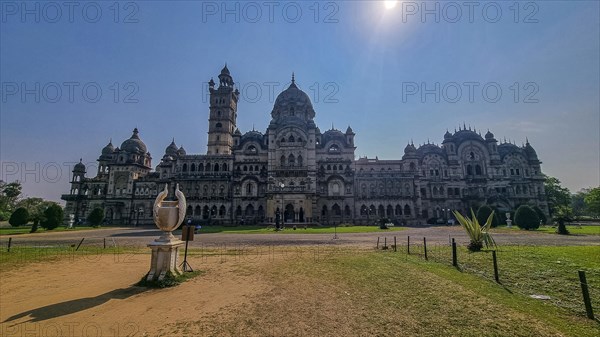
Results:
[576, 230]
[532, 270]
[359, 293]
[27, 228]
[290, 230]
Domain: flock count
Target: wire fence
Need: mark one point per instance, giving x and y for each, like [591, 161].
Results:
[548, 273]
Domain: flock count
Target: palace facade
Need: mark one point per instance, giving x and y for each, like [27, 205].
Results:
[309, 176]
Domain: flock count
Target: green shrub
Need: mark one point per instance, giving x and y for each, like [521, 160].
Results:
[95, 217]
[53, 217]
[527, 218]
[19, 217]
[483, 213]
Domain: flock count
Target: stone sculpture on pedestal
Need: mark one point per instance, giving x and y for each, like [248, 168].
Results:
[168, 215]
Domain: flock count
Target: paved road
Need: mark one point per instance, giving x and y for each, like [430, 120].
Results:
[139, 237]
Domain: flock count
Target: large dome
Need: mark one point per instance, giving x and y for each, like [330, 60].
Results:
[293, 102]
[134, 144]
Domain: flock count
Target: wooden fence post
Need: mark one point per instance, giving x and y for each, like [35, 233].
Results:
[586, 295]
[408, 246]
[80, 242]
[394, 243]
[495, 266]
[454, 258]
[9, 244]
[425, 246]
[378, 242]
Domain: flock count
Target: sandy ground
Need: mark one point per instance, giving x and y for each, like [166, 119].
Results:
[65, 298]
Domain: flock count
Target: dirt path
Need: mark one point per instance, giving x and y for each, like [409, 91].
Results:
[66, 298]
[139, 237]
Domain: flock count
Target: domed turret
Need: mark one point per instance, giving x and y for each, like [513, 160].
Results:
[447, 135]
[410, 148]
[79, 167]
[293, 102]
[181, 151]
[172, 149]
[349, 131]
[489, 135]
[108, 149]
[530, 151]
[134, 144]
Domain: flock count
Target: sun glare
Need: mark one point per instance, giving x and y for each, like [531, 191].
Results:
[390, 4]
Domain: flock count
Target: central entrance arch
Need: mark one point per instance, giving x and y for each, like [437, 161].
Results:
[289, 214]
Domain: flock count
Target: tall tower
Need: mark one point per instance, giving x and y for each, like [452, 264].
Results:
[223, 114]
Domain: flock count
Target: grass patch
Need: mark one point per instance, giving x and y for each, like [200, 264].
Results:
[27, 228]
[290, 230]
[387, 294]
[170, 280]
[576, 230]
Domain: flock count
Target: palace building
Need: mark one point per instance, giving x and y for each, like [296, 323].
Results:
[308, 176]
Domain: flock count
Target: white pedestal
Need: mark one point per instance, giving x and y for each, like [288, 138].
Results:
[164, 259]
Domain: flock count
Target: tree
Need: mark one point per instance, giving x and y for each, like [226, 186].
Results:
[53, 217]
[563, 214]
[9, 193]
[540, 214]
[19, 217]
[592, 201]
[526, 218]
[95, 217]
[36, 208]
[477, 233]
[578, 202]
[556, 194]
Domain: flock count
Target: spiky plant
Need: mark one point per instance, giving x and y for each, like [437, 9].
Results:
[478, 234]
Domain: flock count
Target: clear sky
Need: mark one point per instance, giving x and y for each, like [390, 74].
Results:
[365, 65]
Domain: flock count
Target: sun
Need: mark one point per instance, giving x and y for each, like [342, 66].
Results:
[390, 4]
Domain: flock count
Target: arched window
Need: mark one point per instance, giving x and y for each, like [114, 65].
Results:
[469, 170]
[390, 210]
[291, 160]
[478, 170]
[193, 168]
[291, 139]
[337, 211]
[238, 211]
[363, 210]
[184, 168]
[398, 210]
[282, 160]
[324, 211]
[219, 125]
[250, 189]
[197, 211]
[334, 148]
[249, 210]
[406, 210]
[328, 167]
[222, 211]
[381, 211]
[216, 167]
[347, 211]
[252, 149]
[245, 168]
[300, 160]
[200, 167]
[224, 167]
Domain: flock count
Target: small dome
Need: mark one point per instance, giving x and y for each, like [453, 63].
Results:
[530, 151]
[489, 135]
[108, 149]
[134, 144]
[410, 148]
[225, 70]
[349, 130]
[79, 167]
[447, 135]
[237, 132]
[172, 149]
[181, 151]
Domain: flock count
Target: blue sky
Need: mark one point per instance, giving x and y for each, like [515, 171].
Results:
[358, 62]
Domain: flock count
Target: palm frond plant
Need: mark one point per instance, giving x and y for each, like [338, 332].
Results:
[478, 234]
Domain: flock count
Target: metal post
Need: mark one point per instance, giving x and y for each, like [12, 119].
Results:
[495, 266]
[378, 242]
[104, 243]
[425, 246]
[408, 246]
[395, 243]
[454, 259]
[9, 244]
[586, 295]
[80, 242]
